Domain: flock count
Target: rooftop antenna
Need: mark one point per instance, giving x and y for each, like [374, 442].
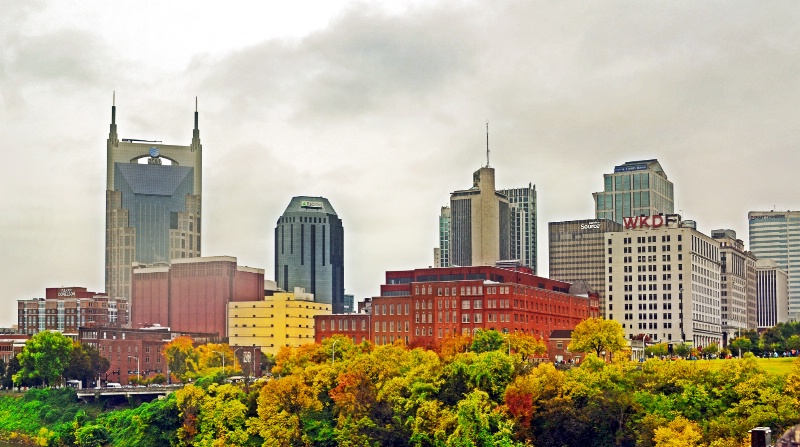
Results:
[487, 143]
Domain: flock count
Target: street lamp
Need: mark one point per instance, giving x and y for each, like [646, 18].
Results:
[137, 366]
[223, 360]
[333, 353]
[680, 304]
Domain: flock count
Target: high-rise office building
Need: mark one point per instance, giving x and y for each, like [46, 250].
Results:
[441, 254]
[664, 281]
[772, 294]
[738, 282]
[309, 250]
[636, 188]
[522, 202]
[480, 223]
[488, 225]
[776, 235]
[153, 196]
[578, 253]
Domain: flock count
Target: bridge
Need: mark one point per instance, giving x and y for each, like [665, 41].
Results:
[138, 393]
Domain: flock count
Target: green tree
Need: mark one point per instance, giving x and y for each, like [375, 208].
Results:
[485, 341]
[657, 350]
[741, 345]
[85, 363]
[45, 356]
[682, 350]
[598, 335]
[710, 350]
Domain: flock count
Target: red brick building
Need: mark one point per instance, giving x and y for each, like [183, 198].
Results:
[354, 326]
[132, 350]
[65, 309]
[423, 306]
[192, 294]
[11, 345]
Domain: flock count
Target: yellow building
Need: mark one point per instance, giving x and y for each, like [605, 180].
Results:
[281, 319]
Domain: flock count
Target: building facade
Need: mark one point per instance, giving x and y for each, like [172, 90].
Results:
[309, 250]
[356, 327]
[522, 202]
[635, 188]
[192, 295]
[664, 281]
[772, 294]
[578, 253]
[65, 309]
[279, 319]
[423, 306]
[441, 254]
[738, 285]
[135, 351]
[776, 235]
[480, 223]
[153, 203]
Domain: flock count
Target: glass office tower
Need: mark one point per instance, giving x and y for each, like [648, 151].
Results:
[636, 188]
[309, 250]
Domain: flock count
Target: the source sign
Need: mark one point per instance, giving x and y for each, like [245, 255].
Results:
[310, 204]
[590, 226]
[66, 292]
[657, 221]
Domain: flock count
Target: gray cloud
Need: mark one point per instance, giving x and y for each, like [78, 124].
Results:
[383, 113]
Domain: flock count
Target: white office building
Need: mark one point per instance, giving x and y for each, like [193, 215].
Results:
[664, 281]
[776, 235]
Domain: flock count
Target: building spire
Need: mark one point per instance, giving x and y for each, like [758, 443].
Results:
[487, 143]
[196, 132]
[112, 132]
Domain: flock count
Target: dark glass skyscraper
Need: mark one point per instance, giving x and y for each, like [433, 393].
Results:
[309, 250]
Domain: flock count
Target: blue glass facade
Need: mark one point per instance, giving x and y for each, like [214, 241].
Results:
[153, 196]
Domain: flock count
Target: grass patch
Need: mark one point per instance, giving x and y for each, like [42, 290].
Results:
[780, 366]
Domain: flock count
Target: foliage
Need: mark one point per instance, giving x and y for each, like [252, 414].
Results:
[45, 356]
[598, 335]
[485, 341]
[657, 350]
[393, 395]
[85, 363]
[182, 358]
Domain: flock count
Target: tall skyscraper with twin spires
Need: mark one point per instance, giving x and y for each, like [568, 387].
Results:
[153, 203]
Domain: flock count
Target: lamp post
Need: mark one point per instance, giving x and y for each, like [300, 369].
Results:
[223, 360]
[137, 366]
[333, 353]
[680, 305]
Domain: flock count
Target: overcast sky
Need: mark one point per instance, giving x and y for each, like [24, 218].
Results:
[381, 108]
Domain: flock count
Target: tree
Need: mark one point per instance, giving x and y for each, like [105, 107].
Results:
[526, 345]
[710, 350]
[485, 341]
[182, 357]
[85, 363]
[683, 350]
[45, 356]
[741, 345]
[657, 350]
[598, 335]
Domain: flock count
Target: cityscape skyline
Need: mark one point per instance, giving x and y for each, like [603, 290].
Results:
[381, 110]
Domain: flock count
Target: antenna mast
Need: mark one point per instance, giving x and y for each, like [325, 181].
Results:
[487, 143]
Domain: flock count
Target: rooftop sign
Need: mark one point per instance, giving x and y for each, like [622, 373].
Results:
[310, 204]
[652, 222]
[626, 168]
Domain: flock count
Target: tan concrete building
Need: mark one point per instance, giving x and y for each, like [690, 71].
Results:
[664, 281]
[281, 319]
[577, 252]
[153, 203]
[738, 282]
[480, 223]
